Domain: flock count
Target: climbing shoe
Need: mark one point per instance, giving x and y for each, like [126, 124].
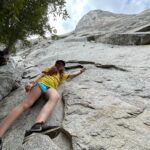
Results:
[0, 143]
[51, 131]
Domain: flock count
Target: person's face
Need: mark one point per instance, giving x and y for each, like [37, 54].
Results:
[60, 67]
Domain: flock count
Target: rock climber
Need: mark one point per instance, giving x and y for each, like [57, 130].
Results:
[47, 82]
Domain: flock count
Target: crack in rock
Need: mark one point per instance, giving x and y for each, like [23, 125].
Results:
[84, 105]
[73, 67]
[98, 65]
[126, 126]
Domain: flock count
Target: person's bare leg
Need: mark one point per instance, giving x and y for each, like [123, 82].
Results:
[18, 110]
[53, 97]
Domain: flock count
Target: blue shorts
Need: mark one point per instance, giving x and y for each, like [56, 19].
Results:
[42, 86]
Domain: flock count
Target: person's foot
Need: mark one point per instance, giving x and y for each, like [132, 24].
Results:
[51, 131]
[0, 143]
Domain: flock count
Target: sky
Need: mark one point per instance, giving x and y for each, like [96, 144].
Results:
[78, 8]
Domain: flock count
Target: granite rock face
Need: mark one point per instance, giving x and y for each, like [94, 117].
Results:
[10, 76]
[39, 142]
[105, 108]
[119, 29]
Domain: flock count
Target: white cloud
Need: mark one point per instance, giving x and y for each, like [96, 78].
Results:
[76, 10]
[58, 24]
[135, 6]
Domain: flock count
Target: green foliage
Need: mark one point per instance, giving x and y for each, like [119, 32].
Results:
[21, 18]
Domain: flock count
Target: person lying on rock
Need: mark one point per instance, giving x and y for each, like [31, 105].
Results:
[47, 82]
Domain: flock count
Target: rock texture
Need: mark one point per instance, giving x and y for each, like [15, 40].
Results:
[10, 76]
[105, 108]
[119, 29]
[39, 142]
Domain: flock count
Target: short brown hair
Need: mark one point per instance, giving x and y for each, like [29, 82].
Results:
[61, 61]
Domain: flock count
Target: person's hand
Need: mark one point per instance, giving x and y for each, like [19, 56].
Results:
[28, 87]
[82, 70]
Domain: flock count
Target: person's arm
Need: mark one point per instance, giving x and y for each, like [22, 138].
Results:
[37, 78]
[71, 76]
[30, 85]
